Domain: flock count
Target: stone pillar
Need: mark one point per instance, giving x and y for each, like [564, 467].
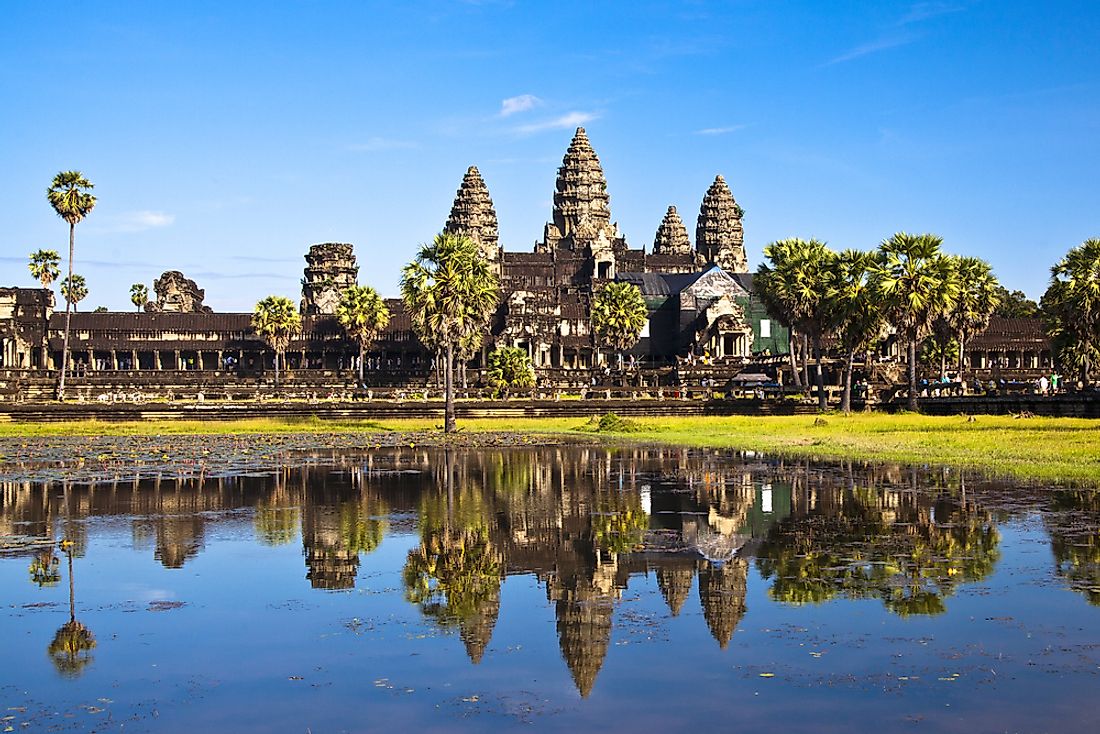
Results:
[176, 353]
[157, 360]
[221, 360]
[114, 360]
[135, 364]
[201, 364]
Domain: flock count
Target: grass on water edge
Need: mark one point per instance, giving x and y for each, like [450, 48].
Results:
[1064, 449]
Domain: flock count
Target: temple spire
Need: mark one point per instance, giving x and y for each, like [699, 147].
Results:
[474, 216]
[581, 201]
[719, 237]
[672, 235]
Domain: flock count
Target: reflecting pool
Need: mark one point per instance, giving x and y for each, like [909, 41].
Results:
[566, 588]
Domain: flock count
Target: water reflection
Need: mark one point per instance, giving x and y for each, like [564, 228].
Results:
[584, 522]
[70, 649]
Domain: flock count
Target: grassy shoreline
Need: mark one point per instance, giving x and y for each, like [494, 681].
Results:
[1057, 449]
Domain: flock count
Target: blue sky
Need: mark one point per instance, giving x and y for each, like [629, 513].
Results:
[225, 138]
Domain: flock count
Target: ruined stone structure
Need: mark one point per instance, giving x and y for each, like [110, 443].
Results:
[24, 313]
[176, 294]
[330, 270]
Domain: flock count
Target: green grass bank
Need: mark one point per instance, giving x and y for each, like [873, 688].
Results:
[1060, 449]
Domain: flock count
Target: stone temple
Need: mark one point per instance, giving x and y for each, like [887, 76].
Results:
[702, 308]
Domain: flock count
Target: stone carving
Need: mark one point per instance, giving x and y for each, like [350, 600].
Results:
[330, 270]
[473, 215]
[672, 235]
[719, 237]
[177, 294]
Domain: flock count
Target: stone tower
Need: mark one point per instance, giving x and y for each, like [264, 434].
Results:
[473, 215]
[330, 270]
[582, 214]
[719, 238]
[672, 235]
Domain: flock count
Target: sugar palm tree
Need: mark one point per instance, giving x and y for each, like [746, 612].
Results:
[978, 298]
[363, 314]
[619, 314]
[510, 367]
[796, 282]
[857, 319]
[69, 197]
[450, 293]
[44, 266]
[74, 289]
[915, 284]
[276, 320]
[139, 294]
[1072, 307]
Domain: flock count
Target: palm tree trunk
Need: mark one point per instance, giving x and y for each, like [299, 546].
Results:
[804, 349]
[68, 312]
[819, 377]
[913, 405]
[846, 394]
[794, 359]
[276, 370]
[962, 352]
[449, 391]
[361, 350]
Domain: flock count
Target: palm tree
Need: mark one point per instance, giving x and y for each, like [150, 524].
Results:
[915, 284]
[276, 320]
[363, 314]
[139, 294]
[74, 289]
[69, 197]
[44, 266]
[450, 293]
[979, 296]
[619, 314]
[796, 283]
[1072, 306]
[510, 367]
[857, 318]
[71, 644]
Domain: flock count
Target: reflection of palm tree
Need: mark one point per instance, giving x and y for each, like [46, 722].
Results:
[455, 574]
[71, 644]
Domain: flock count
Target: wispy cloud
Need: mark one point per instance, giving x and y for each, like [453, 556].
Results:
[138, 221]
[372, 145]
[520, 103]
[570, 119]
[880, 44]
[926, 10]
[719, 130]
[903, 33]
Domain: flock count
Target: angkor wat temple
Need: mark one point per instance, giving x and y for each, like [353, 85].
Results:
[700, 300]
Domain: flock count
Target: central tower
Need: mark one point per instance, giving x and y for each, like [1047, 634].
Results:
[582, 210]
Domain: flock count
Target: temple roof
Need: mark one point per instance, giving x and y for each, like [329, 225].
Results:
[670, 284]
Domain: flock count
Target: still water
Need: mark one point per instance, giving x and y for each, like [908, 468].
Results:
[564, 588]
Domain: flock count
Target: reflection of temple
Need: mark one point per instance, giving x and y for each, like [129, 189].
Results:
[585, 521]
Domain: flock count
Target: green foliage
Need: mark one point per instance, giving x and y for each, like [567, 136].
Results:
[978, 298]
[612, 423]
[450, 291]
[69, 197]
[276, 320]
[618, 315]
[44, 266]
[1072, 308]
[1015, 305]
[139, 295]
[74, 289]
[510, 367]
[362, 313]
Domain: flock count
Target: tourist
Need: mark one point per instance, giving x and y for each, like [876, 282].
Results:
[1043, 385]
